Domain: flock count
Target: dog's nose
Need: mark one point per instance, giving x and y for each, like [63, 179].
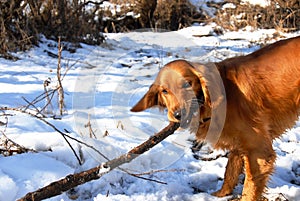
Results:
[179, 113]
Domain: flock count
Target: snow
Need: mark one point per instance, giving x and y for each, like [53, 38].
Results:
[102, 84]
[8, 188]
[262, 3]
[202, 3]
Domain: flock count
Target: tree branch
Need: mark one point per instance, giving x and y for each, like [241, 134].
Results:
[73, 180]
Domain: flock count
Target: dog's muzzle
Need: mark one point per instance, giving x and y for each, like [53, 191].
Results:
[184, 118]
[178, 114]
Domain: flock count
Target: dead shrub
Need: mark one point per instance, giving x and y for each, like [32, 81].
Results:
[176, 14]
[17, 32]
[146, 10]
[69, 20]
[21, 23]
[155, 14]
[283, 15]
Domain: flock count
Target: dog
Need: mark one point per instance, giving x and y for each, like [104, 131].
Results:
[240, 104]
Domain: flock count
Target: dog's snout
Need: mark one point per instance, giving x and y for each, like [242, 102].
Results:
[178, 114]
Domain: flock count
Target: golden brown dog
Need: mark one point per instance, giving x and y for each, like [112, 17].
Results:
[243, 103]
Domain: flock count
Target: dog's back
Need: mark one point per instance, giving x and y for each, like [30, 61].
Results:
[269, 82]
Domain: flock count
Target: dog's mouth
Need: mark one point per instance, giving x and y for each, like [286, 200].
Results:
[194, 112]
[185, 122]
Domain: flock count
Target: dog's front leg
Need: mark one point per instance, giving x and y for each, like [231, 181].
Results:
[233, 170]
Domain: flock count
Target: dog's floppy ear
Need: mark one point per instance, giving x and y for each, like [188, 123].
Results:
[215, 98]
[150, 99]
[211, 83]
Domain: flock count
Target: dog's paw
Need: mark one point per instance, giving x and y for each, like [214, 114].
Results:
[222, 193]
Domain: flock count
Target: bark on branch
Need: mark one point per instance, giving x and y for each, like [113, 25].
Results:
[73, 180]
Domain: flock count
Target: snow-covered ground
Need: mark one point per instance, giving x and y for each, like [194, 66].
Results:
[101, 85]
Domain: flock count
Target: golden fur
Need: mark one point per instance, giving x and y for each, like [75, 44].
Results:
[257, 101]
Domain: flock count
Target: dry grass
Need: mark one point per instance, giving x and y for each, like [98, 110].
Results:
[281, 15]
[173, 15]
[21, 22]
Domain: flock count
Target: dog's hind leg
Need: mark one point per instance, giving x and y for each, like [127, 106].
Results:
[233, 170]
[259, 164]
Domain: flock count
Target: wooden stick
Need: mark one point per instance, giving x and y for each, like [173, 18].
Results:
[73, 180]
[60, 89]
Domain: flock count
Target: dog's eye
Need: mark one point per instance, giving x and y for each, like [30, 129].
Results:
[187, 85]
[164, 91]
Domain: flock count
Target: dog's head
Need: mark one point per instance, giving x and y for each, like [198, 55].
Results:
[181, 89]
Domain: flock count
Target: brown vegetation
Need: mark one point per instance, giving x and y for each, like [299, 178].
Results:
[280, 14]
[22, 22]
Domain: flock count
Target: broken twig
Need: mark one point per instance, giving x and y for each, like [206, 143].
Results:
[74, 180]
